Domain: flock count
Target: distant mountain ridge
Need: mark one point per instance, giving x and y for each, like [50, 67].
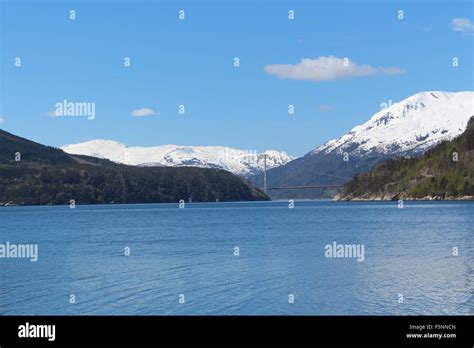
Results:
[240, 162]
[407, 128]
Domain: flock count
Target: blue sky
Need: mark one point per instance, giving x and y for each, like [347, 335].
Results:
[190, 62]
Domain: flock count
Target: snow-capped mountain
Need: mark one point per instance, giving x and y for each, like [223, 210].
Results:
[240, 162]
[410, 126]
[406, 128]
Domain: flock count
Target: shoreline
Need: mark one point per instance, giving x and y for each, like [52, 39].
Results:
[339, 200]
[396, 197]
[2, 205]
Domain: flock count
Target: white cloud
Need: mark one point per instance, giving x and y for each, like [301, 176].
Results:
[463, 25]
[327, 69]
[1, 120]
[143, 112]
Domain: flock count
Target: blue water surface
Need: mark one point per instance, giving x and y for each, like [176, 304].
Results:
[408, 267]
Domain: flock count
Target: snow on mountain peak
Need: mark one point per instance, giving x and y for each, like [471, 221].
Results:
[240, 162]
[410, 126]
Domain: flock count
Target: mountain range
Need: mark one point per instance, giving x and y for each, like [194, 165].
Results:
[240, 162]
[407, 128]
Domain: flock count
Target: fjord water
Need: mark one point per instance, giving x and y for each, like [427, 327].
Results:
[190, 251]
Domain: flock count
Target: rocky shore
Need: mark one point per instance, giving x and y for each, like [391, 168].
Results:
[398, 196]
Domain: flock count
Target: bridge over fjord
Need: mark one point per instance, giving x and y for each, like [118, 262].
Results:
[300, 187]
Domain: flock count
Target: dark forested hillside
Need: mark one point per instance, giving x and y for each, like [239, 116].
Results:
[29, 151]
[444, 172]
[31, 173]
